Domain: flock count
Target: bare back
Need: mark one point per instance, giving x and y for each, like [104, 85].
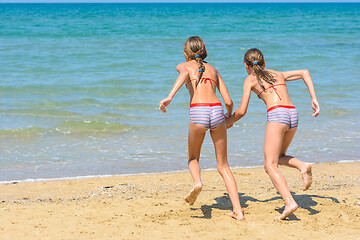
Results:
[205, 91]
[276, 94]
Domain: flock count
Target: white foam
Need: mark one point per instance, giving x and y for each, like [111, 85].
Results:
[346, 161]
[30, 180]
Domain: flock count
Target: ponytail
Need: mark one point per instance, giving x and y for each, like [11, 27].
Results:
[195, 49]
[200, 62]
[263, 75]
[255, 59]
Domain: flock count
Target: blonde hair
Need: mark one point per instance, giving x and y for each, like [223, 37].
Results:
[195, 49]
[255, 58]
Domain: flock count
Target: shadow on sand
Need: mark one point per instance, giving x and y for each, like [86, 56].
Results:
[304, 201]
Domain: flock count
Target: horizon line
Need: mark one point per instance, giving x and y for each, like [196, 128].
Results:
[177, 1]
[187, 2]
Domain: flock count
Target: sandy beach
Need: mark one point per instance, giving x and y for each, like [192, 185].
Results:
[152, 207]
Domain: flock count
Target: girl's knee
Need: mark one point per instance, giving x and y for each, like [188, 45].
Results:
[191, 159]
[269, 167]
[222, 167]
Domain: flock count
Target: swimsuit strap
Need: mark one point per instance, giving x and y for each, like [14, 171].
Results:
[190, 81]
[204, 80]
[273, 87]
[207, 79]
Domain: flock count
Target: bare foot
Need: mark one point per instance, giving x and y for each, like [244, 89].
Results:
[287, 211]
[306, 176]
[238, 216]
[193, 194]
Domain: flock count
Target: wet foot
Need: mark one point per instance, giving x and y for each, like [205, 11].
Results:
[306, 175]
[193, 194]
[237, 216]
[287, 211]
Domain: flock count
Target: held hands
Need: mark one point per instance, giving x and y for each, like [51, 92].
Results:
[228, 121]
[316, 107]
[164, 103]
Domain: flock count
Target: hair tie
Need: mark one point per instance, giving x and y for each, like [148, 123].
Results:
[255, 63]
[200, 70]
[196, 56]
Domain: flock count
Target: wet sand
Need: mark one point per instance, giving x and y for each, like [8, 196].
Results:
[153, 207]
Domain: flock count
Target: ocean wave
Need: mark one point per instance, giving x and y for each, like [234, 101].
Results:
[40, 113]
[86, 127]
[21, 132]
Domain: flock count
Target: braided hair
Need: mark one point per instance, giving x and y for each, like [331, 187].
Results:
[195, 49]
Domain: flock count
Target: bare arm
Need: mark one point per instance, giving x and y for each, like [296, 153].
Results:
[225, 95]
[241, 111]
[183, 76]
[305, 75]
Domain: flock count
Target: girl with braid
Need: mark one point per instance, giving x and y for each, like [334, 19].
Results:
[282, 120]
[206, 112]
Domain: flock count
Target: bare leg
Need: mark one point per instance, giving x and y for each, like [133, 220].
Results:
[286, 160]
[274, 136]
[219, 138]
[195, 140]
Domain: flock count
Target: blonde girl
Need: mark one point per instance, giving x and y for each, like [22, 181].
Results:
[206, 112]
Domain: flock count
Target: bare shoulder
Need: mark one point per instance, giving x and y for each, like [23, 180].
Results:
[209, 66]
[181, 67]
[250, 81]
[211, 70]
[277, 75]
[273, 72]
[190, 65]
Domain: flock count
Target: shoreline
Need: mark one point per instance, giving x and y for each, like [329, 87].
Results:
[152, 206]
[31, 180]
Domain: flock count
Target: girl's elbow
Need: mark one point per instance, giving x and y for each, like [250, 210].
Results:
[240, 113]
[305, 73]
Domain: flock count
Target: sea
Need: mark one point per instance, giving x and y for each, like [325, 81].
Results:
[80, 84]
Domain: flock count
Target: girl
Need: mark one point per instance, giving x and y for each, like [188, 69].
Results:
[282, 120]
[206, 112]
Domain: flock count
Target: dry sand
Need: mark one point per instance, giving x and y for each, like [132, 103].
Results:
[152, 207]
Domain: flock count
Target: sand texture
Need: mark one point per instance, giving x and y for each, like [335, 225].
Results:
[153, 207]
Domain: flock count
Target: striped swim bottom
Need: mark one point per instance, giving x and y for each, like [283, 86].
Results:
[209, 115]
[283, 114]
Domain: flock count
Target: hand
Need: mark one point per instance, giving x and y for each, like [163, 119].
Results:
[227, 115]
[316, 107]
[164, 103]
[228, 123]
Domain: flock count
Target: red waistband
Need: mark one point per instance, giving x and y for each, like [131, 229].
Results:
[279, 106]
[205, 104]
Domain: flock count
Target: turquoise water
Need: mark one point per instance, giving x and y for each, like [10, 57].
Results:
[80, 83]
